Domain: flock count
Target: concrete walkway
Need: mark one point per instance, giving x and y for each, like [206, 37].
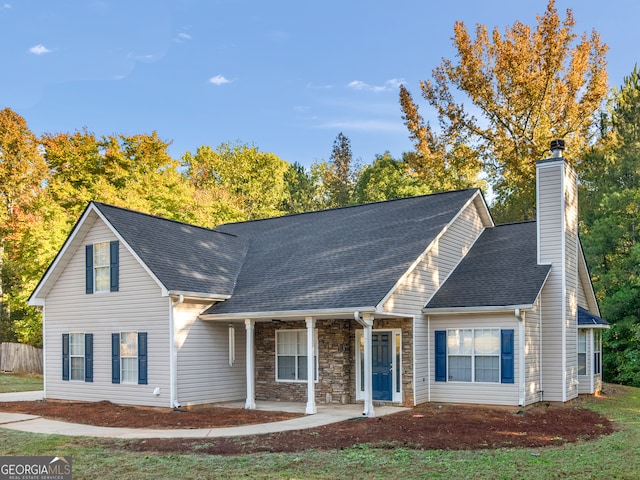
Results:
[326, 414]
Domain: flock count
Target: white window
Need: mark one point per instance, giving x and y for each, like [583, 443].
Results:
[129, 357]
[473, 355]
[582, 352]
[101, 260]
[291, 355]
[76, 356]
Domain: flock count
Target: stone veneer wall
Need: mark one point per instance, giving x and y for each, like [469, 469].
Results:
[336, 362]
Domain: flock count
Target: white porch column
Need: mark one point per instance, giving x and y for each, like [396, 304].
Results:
[311, 392]
[367, 323]
[250, 404]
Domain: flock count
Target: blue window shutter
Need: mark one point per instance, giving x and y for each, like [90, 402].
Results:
[65, 356]
[506, 356]
[89, 268]
[441, 356]
[115, 358]
[142, 358]
[114, 267]
[88, 357]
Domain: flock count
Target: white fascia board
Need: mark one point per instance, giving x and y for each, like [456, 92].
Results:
[471, 310]
[412, 267]
[290, 314]
[198, 295]
[585, 279]
[35, 299]
[594, 326]
[131, 251]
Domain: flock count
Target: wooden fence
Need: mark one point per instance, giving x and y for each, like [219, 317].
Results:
[17, 357]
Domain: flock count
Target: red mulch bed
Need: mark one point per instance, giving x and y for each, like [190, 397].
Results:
[428, 426]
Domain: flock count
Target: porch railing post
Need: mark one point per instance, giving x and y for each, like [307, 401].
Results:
[311, 364]
[367, 323]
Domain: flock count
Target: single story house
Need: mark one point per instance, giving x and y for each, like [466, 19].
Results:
[406, 301]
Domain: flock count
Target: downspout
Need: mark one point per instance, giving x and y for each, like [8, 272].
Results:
[173, 354]
[428, 360]
[520, 315]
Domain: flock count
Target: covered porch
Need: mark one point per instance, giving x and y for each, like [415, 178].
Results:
[359, 360]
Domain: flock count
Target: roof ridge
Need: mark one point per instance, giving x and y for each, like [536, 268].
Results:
[521, 222]
[356, 205]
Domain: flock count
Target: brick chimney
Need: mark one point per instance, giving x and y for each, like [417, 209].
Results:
[557, 230]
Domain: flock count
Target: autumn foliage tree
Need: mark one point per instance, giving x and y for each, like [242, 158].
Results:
[440, 164]
[23, 173]
[529, 86]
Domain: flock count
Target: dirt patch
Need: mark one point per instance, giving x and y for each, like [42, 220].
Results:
[107, 414]
[428, 426]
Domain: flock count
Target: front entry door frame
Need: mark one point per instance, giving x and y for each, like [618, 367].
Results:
[396, 362]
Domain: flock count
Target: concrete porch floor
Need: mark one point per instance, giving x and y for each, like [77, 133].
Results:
[350, 410]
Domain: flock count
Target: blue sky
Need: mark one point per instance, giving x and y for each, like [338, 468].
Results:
[287, 76]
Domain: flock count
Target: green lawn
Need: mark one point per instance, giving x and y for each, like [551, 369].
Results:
[19, 383]
[611, 457]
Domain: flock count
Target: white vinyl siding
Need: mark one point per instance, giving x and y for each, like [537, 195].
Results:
[137, 306]
[490, 393]
[420, 285]
[204, 373]
[533, 358]
[557, 244]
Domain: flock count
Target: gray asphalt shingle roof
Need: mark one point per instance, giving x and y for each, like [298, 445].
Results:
[500, 269]
[341, 258]
[183, 257]
[585, 317]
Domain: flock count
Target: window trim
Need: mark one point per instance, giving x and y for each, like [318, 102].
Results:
[134, 333]
[316, 355]
[101, 267]
[597, 352]
[81, 343]
[113, 266]
[142, 346]
[582, 355]
[474, 355]
[87, 357]
[506, 373]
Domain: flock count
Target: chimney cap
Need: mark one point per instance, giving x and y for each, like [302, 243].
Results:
[557, 146]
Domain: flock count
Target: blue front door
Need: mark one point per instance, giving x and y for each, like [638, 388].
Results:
[381, 365]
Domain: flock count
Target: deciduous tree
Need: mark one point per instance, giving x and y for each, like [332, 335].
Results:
[527, 86]
[610, 206]
[22, 176]
[441, 164]
[242, 182]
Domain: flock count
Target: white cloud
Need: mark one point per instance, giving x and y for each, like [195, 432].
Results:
[182, 37]
[219, 80]
[6, 6]
[39, 49]
[391, 84]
